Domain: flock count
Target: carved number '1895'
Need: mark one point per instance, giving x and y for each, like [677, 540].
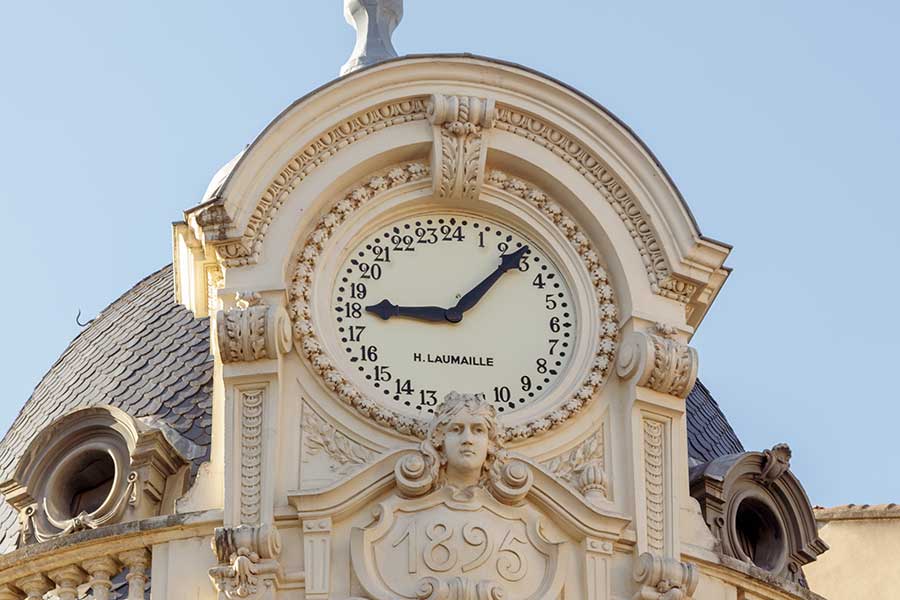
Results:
[439, 550]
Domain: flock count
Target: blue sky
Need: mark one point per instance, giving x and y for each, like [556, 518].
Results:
[777, 120]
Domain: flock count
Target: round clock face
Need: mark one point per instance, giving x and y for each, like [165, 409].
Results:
[445, 302]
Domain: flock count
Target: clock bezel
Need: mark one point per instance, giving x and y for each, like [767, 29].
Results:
[384, 199]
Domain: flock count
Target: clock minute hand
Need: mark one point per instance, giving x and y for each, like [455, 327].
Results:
[471, 298]
[385, 309]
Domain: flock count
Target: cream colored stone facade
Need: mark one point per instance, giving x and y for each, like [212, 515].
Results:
[320, 487]
[864, 541]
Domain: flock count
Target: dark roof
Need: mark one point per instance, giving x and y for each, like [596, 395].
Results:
[149, 356]
[709, 434]
[144, 354]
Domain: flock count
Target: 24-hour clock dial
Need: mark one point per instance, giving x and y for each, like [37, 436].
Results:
[453, 301]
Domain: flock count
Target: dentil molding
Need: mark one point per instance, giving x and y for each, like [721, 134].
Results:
[658, 361]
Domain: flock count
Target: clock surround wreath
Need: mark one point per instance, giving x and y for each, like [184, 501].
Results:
[305, 271]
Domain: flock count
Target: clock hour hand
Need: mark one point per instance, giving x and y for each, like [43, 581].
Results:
[385, 309]
[507, 262]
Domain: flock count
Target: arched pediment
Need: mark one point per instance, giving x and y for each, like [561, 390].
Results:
[538, 130]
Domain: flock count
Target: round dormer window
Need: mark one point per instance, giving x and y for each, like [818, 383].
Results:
[82, 483]
[760, 534]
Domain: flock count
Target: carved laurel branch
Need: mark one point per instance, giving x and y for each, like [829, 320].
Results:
[320, 437]
[603, 291]
[245, 250]
[300, 294]
[582, 467]
[601, 177]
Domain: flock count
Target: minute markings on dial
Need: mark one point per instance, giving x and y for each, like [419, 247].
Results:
[386, 309]
[417, 256]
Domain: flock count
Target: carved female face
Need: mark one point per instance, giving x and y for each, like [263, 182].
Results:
[466, 441]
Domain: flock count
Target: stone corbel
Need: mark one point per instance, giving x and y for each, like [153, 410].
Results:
[460, 148]
[658, 361]
[664, 578]
[248, 561]
[253, 330]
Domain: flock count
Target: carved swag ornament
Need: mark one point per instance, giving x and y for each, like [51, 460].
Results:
[457, 529]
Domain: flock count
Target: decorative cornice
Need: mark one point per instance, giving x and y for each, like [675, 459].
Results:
[245, 250]
[460, 149]
[604, 180]
[252, 330]
[658, 361]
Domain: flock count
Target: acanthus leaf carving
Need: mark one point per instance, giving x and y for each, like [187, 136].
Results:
[253, 330]
[247, 560]
[237, 252]
[459, 151]
[659, 361]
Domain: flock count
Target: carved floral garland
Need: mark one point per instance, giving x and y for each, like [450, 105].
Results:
[313, 349]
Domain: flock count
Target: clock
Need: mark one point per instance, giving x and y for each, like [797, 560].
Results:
[397, 299]
[447, 301]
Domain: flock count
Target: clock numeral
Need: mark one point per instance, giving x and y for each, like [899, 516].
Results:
[526, 383]
[550, 301]
[451, 234]
[502, 394]
[382, 253]
[502, 247]
[538, 282]
[541, 365]
[369, 271]
[524, 265]
[554, 324]
[553, 344]
[431, 232]
[403, 243]
[356, 332]
[428, 397]
[353, 310]
[358, 290]
[481, 239]
[382, 373]
[404, 387]
[368, 353]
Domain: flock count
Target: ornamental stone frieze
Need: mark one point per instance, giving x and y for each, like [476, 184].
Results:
[655, 359]
[253, 330]
[460, 149]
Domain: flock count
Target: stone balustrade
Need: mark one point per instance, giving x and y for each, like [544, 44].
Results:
[94, 574]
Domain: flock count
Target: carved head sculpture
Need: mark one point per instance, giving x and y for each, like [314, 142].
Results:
[463, 448]
[463, 444]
